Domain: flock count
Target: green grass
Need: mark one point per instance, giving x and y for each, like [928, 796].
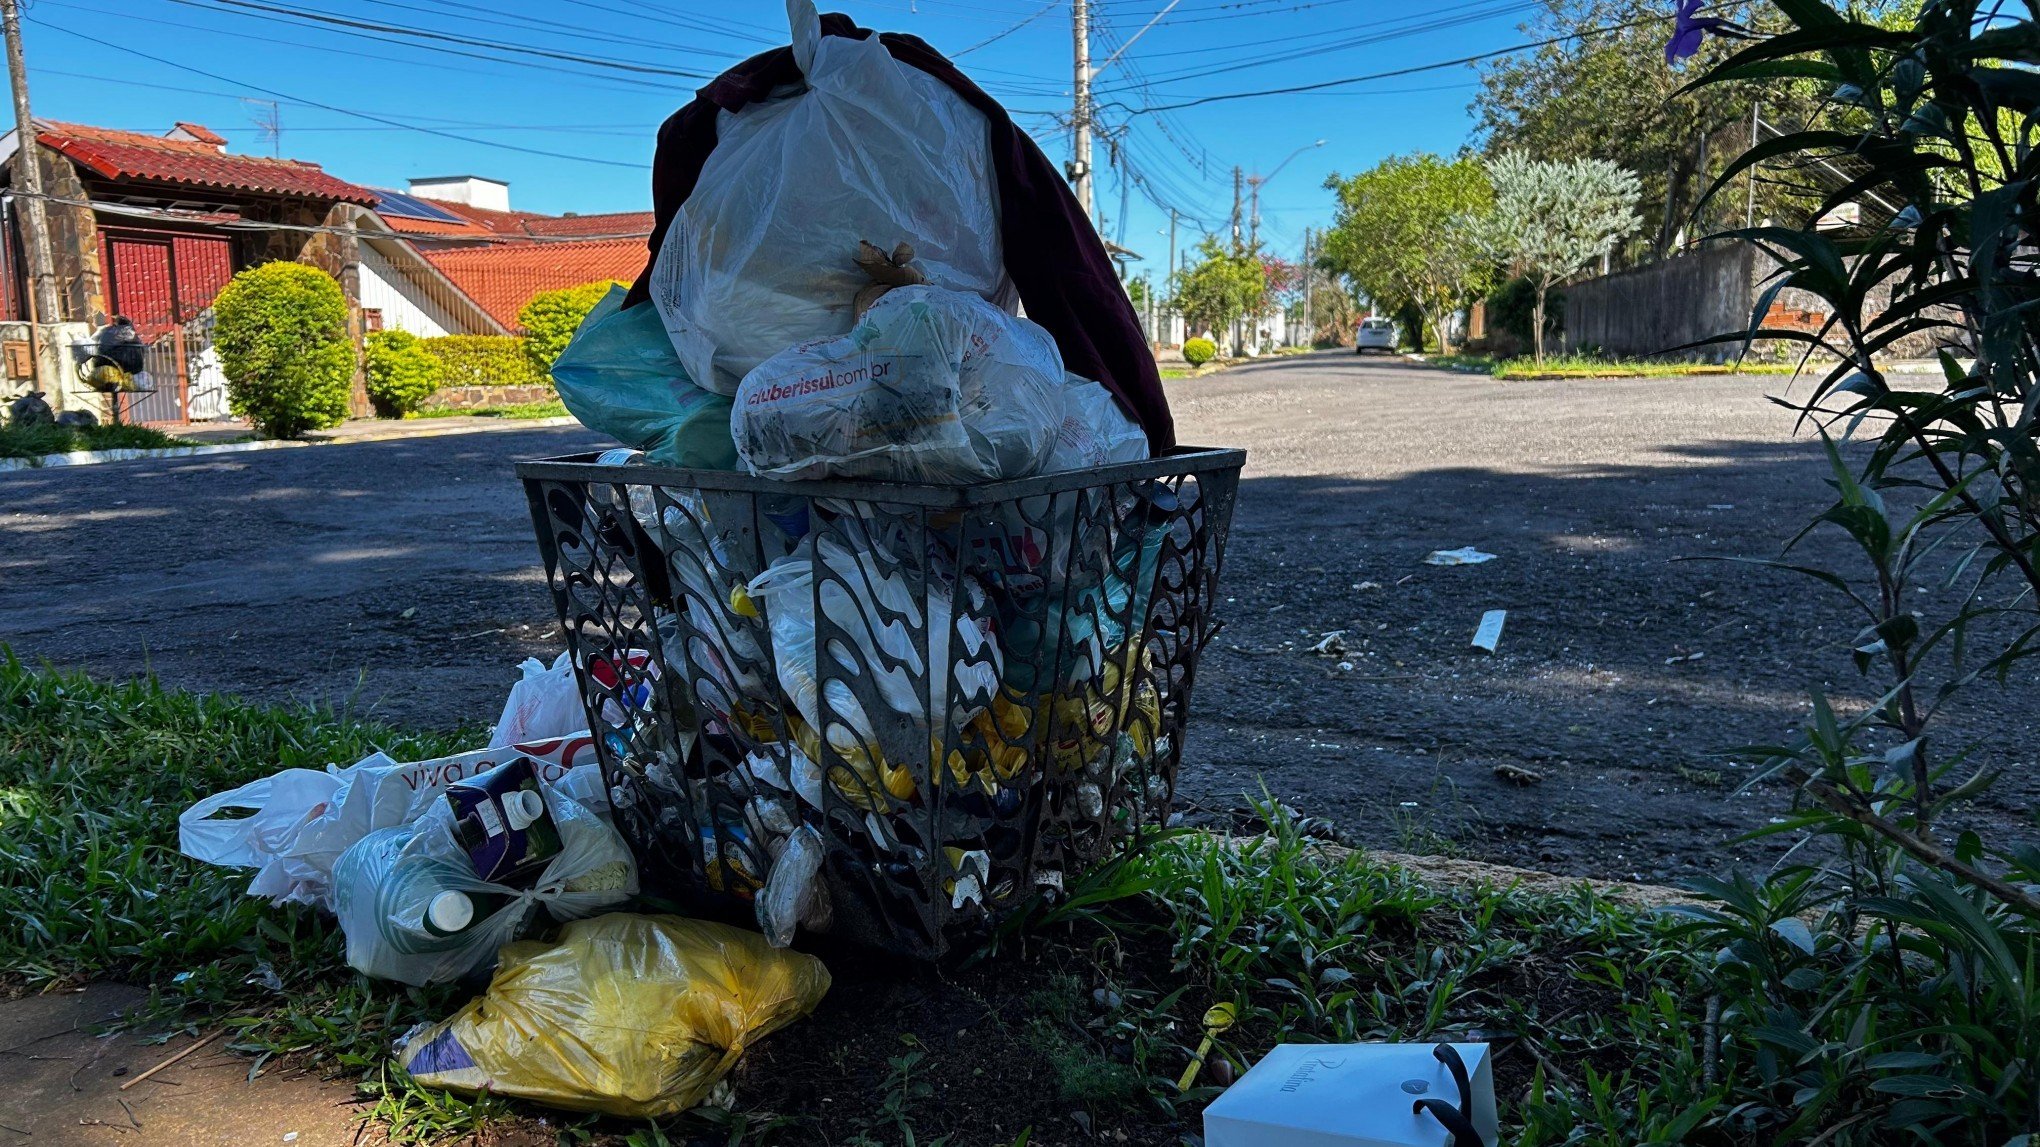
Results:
[36, 441]
[550, 408]
[1310, 943]
[1579, 366]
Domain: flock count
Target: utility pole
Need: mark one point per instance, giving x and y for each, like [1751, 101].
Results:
[1254, 213]
[1309, 332]
[1080, 115]
[49, 308]
[1172, 253]
[1236, 207]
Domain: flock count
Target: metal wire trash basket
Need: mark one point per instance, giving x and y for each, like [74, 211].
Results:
[959, 695]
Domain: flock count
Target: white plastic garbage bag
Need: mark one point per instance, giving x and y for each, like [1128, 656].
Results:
[1094, 430]
[759, 257]
[871, 599]
[931, 386]
[544, 703]
[302, 819]
[391, 892]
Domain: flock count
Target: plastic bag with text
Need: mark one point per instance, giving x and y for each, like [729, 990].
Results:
[303, 819]
[931, 386]
[630, 1015]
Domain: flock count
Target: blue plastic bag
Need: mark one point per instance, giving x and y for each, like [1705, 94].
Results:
[620, 376]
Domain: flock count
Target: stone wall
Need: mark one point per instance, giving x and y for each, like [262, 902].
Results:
[74, 244]
[470, 397]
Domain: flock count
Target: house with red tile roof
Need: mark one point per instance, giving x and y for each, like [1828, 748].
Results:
[152, 226]
[455, 258]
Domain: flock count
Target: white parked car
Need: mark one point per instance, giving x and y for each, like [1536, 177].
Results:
[1375, 334]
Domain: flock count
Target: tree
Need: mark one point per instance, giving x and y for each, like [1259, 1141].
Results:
[1602, 91]
[551, 318]
[1401, 234]
[1223, 284]
[1553, 219]
[281, 330]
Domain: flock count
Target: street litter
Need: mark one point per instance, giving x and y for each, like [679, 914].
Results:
[1489, 633]
[1360, 1095]
[1693, 656]
[1517, 774]
[303, 819]
[1463, 556]
[1331, 644]
[626, 1014]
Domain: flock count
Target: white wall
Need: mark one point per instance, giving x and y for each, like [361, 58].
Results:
[403, 305]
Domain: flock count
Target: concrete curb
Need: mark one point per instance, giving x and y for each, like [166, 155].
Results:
[96, 457]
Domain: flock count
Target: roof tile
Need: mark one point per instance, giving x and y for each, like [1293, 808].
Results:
[502, 277]
[115, 154]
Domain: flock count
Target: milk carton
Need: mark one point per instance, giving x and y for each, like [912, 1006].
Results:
[1354, 1095]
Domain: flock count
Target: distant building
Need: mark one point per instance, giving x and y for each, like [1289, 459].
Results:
[152, 227]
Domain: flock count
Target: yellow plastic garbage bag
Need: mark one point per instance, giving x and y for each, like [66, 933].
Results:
[626, 1014]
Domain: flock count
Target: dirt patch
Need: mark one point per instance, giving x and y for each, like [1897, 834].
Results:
[64, 1085]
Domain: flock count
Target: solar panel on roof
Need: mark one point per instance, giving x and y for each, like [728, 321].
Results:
[412, 207]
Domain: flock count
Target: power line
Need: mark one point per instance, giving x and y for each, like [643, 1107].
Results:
[997, 36]
[123, 48]
[608, 83]
[443, 37]
[1395, 72]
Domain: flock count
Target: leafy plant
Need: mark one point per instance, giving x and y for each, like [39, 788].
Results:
[1552, 219]
[550, 319]
[1398, 235]
[1889, 990]
[484, 360]
[1199, 350]
[1223, 284]
[402, 374]
[281, 330]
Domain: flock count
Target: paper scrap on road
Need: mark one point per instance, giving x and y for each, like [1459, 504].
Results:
[1463, 556]
[1489, 633]
[1693, 656]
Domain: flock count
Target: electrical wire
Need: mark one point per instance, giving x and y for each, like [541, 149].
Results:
[300, 14]
[273, 94]
[997, 36]
[1412, 70]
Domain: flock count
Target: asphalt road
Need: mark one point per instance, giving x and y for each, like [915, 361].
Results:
[400, 579]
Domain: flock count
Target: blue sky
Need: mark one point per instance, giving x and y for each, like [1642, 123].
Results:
[84, 65]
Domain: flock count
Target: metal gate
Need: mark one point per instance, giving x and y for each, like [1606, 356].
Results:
[163, 281]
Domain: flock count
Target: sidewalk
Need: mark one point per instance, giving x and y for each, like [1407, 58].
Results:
[370, 429]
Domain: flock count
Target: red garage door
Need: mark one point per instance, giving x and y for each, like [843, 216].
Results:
[162, 281]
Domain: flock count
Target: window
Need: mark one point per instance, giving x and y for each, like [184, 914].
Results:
[371, 320]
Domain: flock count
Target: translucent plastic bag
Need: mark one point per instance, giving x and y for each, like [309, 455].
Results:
[304, 819]
[931, 386]
[620, 376]
[1094, 430]
[631, 1015]
[544, 703]
[385, 887]
[759, 257]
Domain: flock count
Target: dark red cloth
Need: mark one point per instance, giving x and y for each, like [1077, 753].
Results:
[1066, 280]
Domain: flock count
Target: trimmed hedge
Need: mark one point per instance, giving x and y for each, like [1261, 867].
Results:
[551, 318]
[484, 360]
[281, 330]
[1199, 351]
[402, 374]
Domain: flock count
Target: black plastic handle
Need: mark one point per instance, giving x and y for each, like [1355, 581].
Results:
[1448, 1055]
[1457, 1125]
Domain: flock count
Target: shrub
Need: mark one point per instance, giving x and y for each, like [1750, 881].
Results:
[484, 360]
[402, 374]
[1513, 307]
[551, 317]
[281, 330]
[1199, 351]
